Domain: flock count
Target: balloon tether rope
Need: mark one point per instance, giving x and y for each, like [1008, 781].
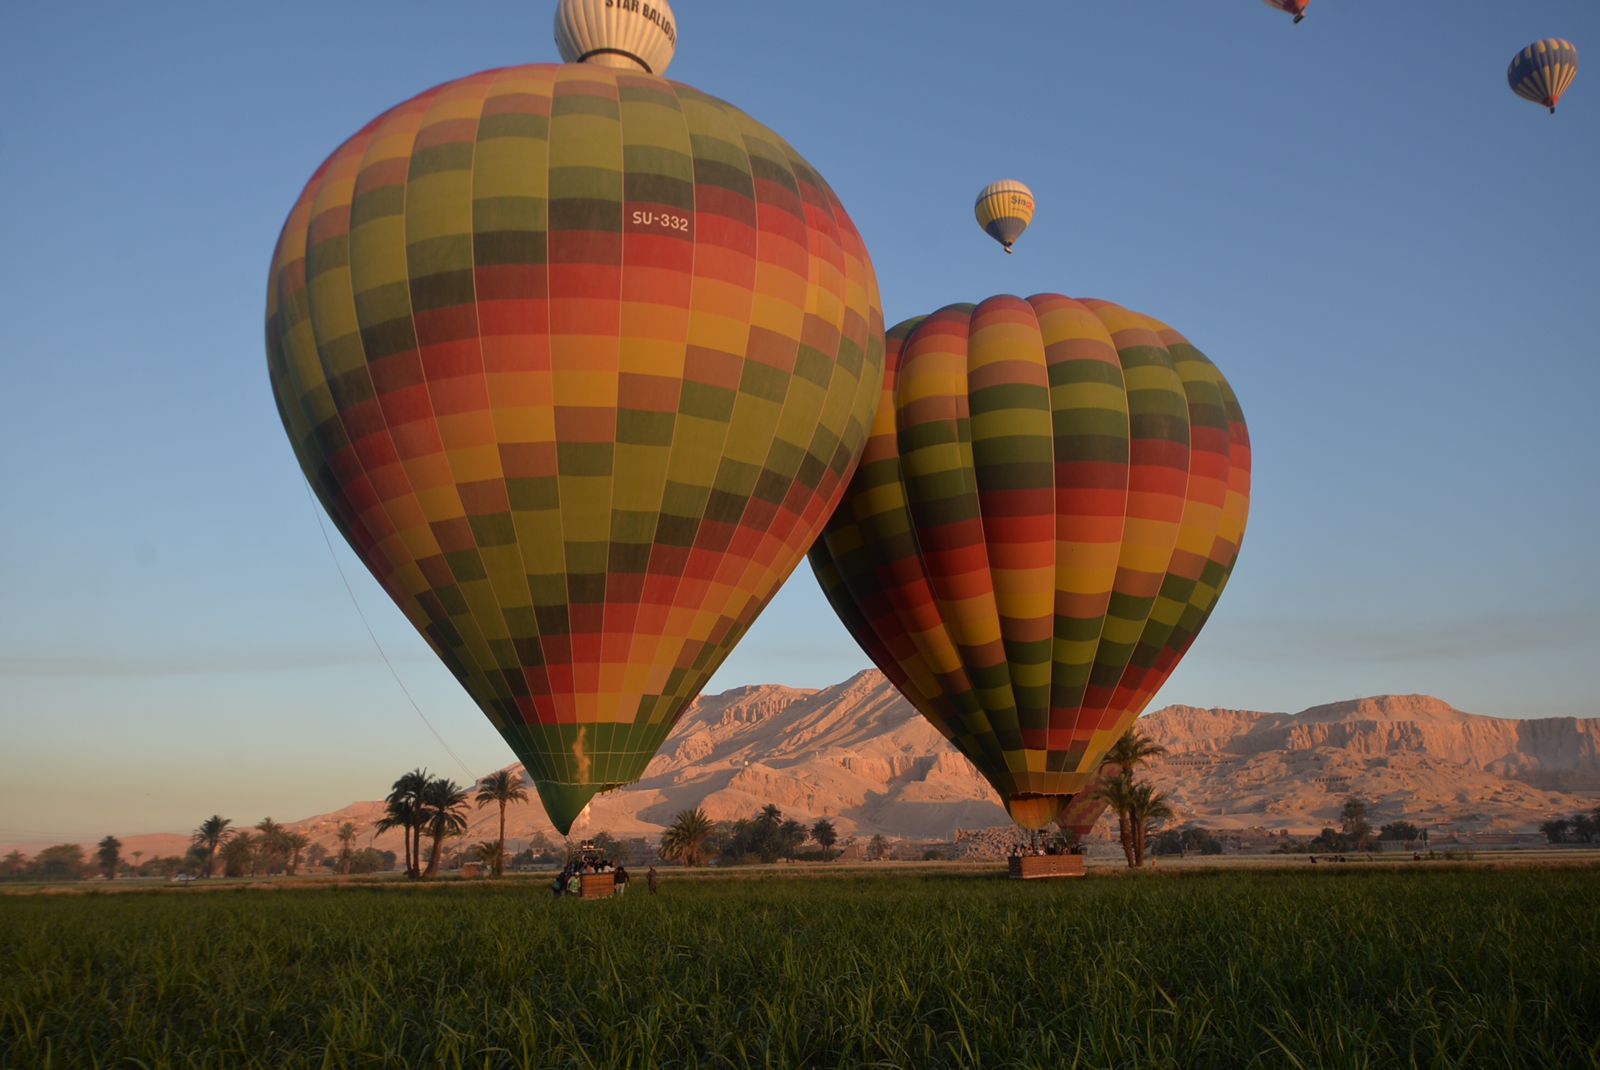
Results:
[316, 512]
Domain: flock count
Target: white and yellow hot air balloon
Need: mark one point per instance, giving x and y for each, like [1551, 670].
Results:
[1004, 210]
[626, 34]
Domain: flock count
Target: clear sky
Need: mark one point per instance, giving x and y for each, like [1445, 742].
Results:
[1391, 257]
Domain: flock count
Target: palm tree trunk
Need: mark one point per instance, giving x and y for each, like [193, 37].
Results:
[1125, 836]
[1138, 843]
[433, 855]
[500, 855]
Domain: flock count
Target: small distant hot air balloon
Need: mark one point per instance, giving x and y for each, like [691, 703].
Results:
[624, 34]
[1004, 210]
[578, 360]
[1297, 8]
[1543, 71]
[1049, 505]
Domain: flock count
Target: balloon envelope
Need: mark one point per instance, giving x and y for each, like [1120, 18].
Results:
[625, 34]
[578, 360]
[1543, 71]
[1004, 209]
[1297, 8]
[1048, 507]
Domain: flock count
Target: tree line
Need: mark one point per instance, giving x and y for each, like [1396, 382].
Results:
[1356, 832]
[1579, 828]
[694, 839]
[216, 846]
[424, 807]
[428, 811]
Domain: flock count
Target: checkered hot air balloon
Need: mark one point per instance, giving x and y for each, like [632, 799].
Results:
[1543, 71]
[579, 360]
[1049, 504]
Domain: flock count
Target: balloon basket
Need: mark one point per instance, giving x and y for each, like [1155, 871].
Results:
[1040, 867]
[597, 885]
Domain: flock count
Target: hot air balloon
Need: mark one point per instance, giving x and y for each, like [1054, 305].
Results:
[1004, 210]
[627, 35]
[1049, 504]
[578, 360]
[1543, 71]
[1297, 8]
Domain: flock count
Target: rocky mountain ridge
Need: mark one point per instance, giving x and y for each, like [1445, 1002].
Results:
[859, 754]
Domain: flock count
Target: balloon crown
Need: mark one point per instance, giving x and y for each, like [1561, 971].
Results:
[624, 34]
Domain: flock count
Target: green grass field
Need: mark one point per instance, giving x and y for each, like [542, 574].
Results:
[1352, 968]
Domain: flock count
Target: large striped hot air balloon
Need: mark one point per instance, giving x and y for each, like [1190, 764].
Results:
[1048, 507]
[1543, 71]
[1004, 209]
[578, 359]
[1297, 8]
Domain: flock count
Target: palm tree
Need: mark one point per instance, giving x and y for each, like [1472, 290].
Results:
[211, 834]
[443, 802]
[239, 855]
[791, 834]
[271, 848]
[403, 810]
[766, 832]
[685, 839]
[1147, 808]
[295, 842]
[346, 835]
[1131, 750]
[1118, 794]
[109, 854]
[502, 787]
[825, 834]
[402, 815]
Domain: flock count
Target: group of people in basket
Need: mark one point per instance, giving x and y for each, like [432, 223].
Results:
[570, 880]
[1023, 850]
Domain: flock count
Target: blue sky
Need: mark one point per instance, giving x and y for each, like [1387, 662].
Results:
[1390, 256]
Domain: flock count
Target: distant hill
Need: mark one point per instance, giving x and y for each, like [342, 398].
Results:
[1411, 755]
[860, 755]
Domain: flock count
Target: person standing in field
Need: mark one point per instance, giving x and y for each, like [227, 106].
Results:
[621, 878]
[650, 879]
